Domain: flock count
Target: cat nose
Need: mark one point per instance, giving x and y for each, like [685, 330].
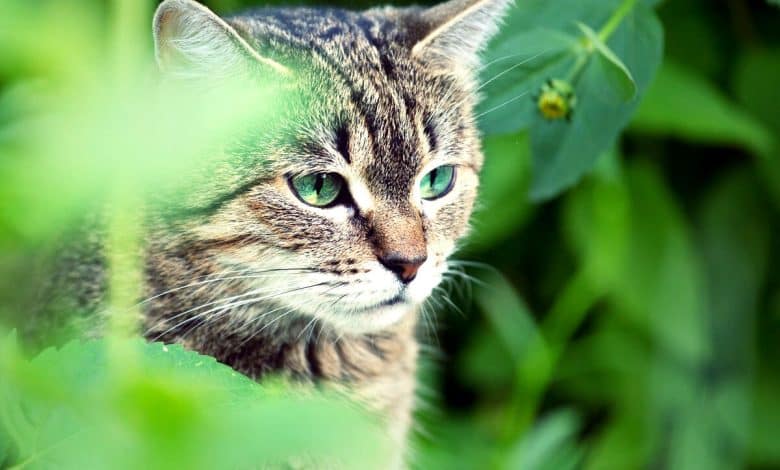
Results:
[404, 267]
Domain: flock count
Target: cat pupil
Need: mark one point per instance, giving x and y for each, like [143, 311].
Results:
[318, 182]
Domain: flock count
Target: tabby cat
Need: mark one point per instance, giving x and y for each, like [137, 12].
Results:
[316, 262]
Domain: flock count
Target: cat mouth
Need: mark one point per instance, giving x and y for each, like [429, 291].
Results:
[398, 299]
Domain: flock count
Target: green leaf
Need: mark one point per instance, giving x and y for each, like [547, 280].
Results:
[734, 236]
[635, 242]
[505, 310]
[563, 151]
[765, 420]
[549, 445]
[504, 179]
[617, 82]
[755, 85]
[474, 446]
[482, 348]
[91, 407]
[686, 106]
[597, 222]
[624, 443]
[661, 285]
[755, 88]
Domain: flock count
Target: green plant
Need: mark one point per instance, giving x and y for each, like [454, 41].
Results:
[631, 316]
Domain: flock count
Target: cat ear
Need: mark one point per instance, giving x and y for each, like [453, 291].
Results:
[191, 41]
[456, 31]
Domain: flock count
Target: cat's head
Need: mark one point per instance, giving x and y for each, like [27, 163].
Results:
[351, 217]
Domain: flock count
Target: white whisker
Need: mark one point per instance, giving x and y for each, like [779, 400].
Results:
[494, 108]
[509, 69]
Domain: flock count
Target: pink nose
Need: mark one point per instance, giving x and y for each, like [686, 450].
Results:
[403, 267]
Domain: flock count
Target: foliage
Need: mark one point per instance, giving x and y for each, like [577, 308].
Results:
[609, 71]
[624, 310]
[131, 404]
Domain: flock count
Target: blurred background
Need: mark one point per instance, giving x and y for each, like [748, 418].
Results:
[624, 315]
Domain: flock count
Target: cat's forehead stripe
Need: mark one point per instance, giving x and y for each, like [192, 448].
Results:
[383, 113]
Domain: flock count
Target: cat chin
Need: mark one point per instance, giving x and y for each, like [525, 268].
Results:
[369, 320]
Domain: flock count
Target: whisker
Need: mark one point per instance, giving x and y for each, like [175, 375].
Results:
[452, 304]
[279, 317]
[499, 59]
[201, 306]
[236, 304]
[473, 264]
[252, 275]
[223, 307]
[430, 323]
[498, 75]
[261, 317]
[509, 69]
[494, 108]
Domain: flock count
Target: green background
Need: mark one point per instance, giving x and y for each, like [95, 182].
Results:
[618, 304]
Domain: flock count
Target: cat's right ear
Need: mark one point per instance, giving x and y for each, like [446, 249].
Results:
[454, 32]
[191, 41]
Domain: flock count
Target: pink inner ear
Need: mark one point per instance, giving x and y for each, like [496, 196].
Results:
[163, 36]
[168, 27]
[191, 38]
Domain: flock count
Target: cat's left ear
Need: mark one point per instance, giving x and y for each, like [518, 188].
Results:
[193, 42]
[456, 31]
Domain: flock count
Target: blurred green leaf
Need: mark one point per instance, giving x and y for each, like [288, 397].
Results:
[696, 36]
[756, 89]
[59, 40]
[765, 421]
[734, 238]
[506, 312]
[597, 221]
[755, 85]
[640, 249]
[467, 447]
[549, 445]
[661, 284]
[501, 207]
[172, 408]
[688, 107]
[625, 442]
[481, 349]
[82, 144]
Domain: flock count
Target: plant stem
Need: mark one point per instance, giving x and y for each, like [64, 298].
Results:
[617, 17]
[577, 68]
[123, 256]
[606, 31]
[535, 372]
[123, 245]
[127, 47]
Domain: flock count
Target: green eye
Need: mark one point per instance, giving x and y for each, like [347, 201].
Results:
[317, 189]
[437, 182]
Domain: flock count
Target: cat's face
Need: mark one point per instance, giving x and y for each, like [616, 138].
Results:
[352, 218]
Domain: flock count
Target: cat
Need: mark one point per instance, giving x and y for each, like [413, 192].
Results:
[316, 266]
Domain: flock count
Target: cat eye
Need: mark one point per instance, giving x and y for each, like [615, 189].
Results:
[318, 189]
[437, 182]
